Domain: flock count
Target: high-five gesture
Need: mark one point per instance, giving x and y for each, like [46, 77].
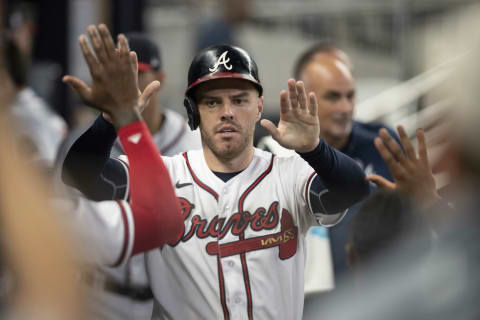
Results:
[299, 127]
[114, 88]
[412, 174]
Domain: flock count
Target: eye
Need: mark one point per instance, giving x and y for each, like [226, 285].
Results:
[332, 96]
[211, 103]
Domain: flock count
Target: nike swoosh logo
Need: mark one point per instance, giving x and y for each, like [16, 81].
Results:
[179, 185]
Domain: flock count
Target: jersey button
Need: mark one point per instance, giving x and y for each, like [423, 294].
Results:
[230, 264]
[238, 300]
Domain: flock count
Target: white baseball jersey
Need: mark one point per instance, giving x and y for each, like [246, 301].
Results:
[242, 254]
[105, 229]
[174, 137]
[38, 128]
[319, 275]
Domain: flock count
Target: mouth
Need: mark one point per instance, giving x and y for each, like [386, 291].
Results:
[227, 130]
[342, 120]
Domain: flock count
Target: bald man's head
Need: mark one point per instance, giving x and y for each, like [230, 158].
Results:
[333, 83]
[318, 50]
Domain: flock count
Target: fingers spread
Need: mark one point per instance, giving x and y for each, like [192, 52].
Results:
[392, 164]
[406, 144]
[92, 62]
[313, 108]
[149, 91]
[97, 44]
[302, 95]
[284, 106]
[123, 46]
[272, 129]
[422, 148]
[134, 62]
[107, 40]
[381, 182]
[79, 86]
[392, 145]
[292, 93]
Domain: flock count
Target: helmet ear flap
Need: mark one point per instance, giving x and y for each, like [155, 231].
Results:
[192, 112]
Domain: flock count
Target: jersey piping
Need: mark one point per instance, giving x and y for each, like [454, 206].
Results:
[242, 237]
[197, 181]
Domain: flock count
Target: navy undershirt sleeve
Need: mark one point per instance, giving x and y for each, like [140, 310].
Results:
[88, 167]
[338, 173]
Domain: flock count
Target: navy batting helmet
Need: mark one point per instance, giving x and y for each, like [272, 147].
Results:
[218, 62]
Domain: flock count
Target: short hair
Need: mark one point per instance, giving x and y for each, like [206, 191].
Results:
[307, 56]
[383, 221]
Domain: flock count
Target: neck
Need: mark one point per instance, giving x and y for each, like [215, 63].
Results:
[235, 164]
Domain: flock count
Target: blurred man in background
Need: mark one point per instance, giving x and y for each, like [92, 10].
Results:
[39, 130]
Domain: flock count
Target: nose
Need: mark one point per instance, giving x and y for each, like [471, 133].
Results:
[227, 111]
[345, 105]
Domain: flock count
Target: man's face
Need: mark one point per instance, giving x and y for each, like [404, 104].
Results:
[229, 109]
[334, 86]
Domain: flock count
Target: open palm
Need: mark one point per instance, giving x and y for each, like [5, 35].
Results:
[114, 89]
[299, 127]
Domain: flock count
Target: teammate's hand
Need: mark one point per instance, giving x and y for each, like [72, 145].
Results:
[412, 175]
[114, 72]
[299, 127]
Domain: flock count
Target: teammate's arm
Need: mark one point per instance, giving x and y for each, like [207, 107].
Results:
[114, 91]
[88, 167]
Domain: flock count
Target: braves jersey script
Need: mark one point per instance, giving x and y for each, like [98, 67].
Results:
[242, 254]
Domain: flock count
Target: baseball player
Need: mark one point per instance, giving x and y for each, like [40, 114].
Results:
[125, 293]
[246, 211]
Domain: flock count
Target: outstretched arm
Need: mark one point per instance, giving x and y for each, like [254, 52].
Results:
[88, 167]
[114, 91]
[299, 129]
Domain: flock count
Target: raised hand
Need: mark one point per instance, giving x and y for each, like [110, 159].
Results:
[411, 173]
[299, 127]
[114, 71]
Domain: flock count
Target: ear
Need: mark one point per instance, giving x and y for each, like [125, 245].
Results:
[261, 101]
[160, 76]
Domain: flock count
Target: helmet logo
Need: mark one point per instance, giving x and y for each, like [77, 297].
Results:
[221, 60]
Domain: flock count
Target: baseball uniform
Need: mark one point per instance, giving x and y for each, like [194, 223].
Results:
[248, 265]
[242, 252]
[126, 293]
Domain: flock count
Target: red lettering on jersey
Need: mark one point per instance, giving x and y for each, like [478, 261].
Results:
[261, 219]
[186, 208]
